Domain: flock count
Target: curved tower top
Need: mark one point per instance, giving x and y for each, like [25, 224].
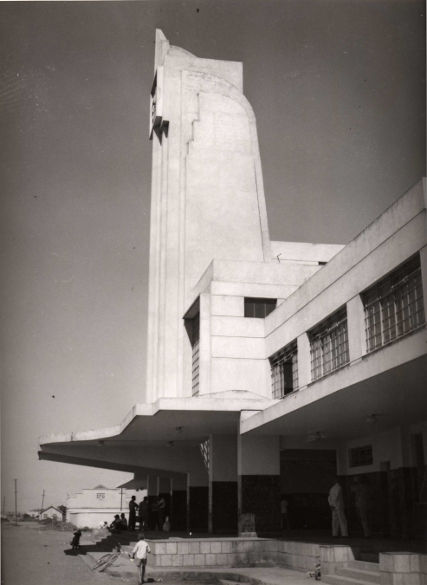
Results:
[207, 197]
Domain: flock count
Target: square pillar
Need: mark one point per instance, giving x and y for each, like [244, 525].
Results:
[198, 497]
[259, 480]
[223, 484]
[356, 328]
[304, 362]
[178, 503]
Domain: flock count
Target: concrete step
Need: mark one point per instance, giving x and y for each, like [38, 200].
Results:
[365, 576]
[355, 573]
[342, 580]
[369, 556]
[364, 566]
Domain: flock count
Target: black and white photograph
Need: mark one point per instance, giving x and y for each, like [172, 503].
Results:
[214, 270]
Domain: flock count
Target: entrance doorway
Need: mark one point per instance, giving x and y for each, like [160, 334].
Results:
[306, 476]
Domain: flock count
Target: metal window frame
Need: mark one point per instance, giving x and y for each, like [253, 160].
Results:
[329, 345]
[394, 306]
[288, 354]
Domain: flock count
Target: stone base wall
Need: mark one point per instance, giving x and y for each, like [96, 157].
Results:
[233, 552]
[403, 568]
[334, 557]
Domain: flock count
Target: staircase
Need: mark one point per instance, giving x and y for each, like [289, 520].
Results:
[355, 573]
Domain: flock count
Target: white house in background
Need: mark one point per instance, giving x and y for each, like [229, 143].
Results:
[92, 507]
[50, 513]
[271, 366]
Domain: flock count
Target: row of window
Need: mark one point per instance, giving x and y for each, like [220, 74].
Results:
[393, 307]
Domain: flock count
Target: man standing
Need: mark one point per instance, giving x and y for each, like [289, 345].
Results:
[336, 503]
[132, 513]
[139, 553]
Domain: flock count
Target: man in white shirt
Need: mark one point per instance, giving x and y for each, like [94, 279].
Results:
[139, 553]
[336, 503]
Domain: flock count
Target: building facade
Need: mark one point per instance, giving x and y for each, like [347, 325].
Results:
[92, 507]
[271, 366]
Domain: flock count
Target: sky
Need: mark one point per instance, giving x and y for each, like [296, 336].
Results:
[338, 90]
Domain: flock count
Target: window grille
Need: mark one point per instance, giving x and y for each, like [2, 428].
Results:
[284, 371]
[329, 345]
[359, 456]
[205, 449]
[394, 306]
[193, 327]
[259, 308]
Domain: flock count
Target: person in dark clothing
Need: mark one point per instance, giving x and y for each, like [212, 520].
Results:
[143, 513]
[75, 543]
[133, 506]
[123, 521]
[116, 525]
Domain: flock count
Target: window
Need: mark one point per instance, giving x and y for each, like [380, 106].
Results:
[329, 345]
[284, 371]
[394, 306]
[195, 346]
[259, 308]
[192, 326]
[360, 456]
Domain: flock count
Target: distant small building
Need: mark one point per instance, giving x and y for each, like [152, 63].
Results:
[92, 507]
[51, 513]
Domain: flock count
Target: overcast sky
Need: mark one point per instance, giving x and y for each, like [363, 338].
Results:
[338, 90]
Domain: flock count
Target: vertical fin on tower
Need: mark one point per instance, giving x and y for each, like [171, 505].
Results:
[162, 47]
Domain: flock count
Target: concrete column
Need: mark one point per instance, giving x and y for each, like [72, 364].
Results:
[198, 499]
[178, 503]
[164, 484]
[259, 479]
[152, 494]
[152, 486]
[356, 328]
[223, 484]
[304, 362]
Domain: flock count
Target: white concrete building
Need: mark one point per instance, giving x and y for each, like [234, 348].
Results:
[92, 507]
[50, 513]
[271, 365]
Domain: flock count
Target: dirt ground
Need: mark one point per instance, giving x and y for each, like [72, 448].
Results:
[34, 555]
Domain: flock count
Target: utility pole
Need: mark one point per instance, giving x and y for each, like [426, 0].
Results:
[42, 502]
[121, 499]
[4, 506]
[16, 501]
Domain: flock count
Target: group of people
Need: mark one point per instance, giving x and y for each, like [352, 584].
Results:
[118, 524]
[151, 515]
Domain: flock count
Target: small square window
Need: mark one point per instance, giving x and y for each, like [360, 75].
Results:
[359, 456]
[259, 308]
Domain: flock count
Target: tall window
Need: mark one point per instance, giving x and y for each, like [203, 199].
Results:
[329, 345]
[284, 371]
[394, 306]
[192, 325]
[195, 354]
[260, 308]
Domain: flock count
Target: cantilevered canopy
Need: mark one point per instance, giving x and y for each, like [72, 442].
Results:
[163, 437]
[348, 404]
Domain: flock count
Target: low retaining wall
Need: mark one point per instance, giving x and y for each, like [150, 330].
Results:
[335, 556]
[403, 568]
[233, 552]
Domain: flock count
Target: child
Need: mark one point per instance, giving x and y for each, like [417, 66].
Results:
[139, 552]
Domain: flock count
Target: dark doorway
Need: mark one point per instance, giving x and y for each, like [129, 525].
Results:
[305, 478]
